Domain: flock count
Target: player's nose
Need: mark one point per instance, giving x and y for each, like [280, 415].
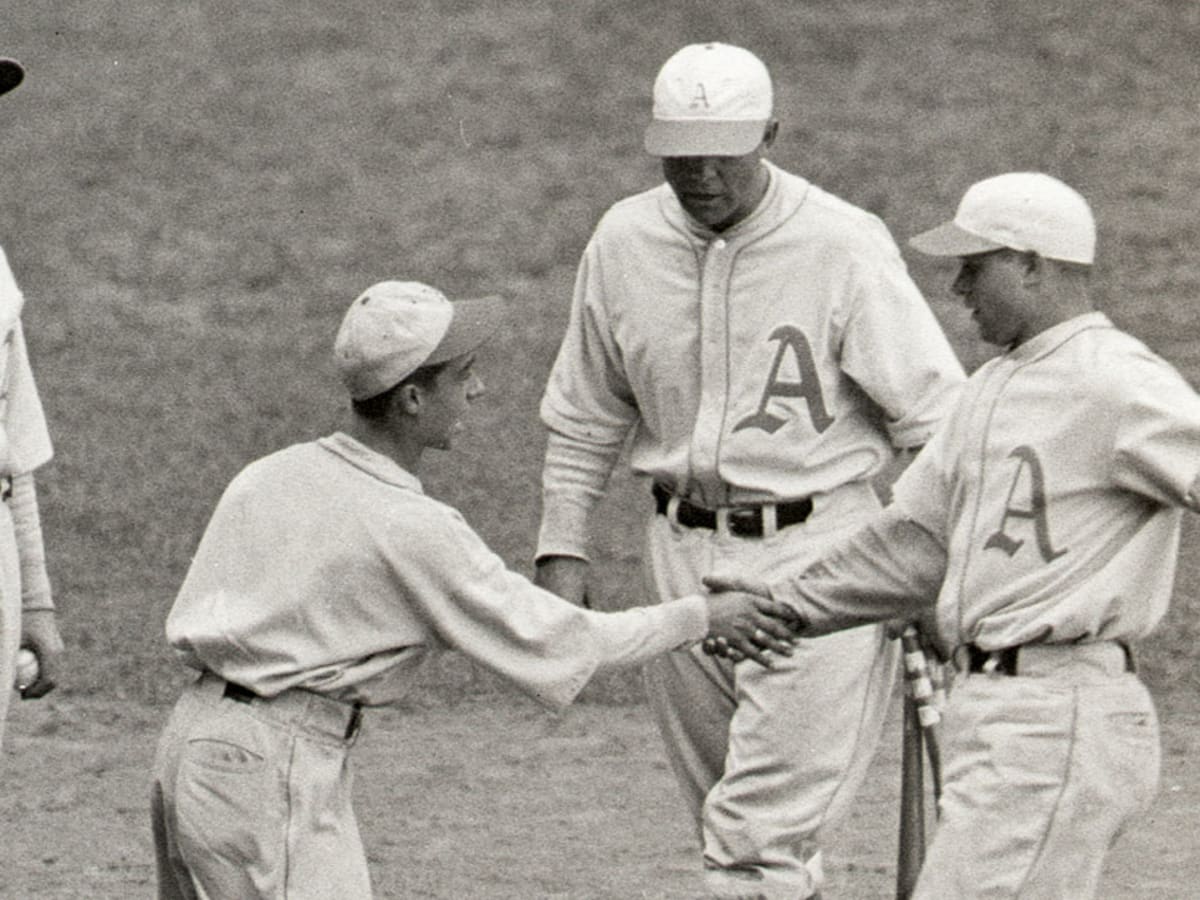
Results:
[476, 388]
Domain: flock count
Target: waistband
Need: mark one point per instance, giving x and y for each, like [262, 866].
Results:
[742, 521]
[1102, 657]
[293, 708]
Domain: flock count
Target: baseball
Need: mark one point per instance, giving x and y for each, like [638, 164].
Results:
[27, 668]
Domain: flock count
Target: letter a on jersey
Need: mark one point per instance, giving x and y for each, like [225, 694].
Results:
[1035, 487]
[809, 387]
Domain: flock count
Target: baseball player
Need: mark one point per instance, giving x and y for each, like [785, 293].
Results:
[1044, 520]
[27, 617]
[324, 580]
[761, 344]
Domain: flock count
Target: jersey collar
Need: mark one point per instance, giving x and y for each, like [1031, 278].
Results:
[1052, 337]
[374, 464]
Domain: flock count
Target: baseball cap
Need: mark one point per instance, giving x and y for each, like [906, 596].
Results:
[395, 327]
[11, 74]
[710, 100]
[1021, 211]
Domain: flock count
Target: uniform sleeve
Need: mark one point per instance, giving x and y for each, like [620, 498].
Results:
[894, 348]
[574, 476]
[589, 408]
[924, 491]
[24, 433]
[1156, 439]
[31, 553]
[547, 647]
[891, 568]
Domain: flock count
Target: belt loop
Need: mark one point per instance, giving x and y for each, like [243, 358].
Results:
[770, 520]
[723, 520]
[673, 509]
[1130, 659]
[354, 724]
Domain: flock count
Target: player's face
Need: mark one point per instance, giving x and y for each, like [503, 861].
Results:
[456, 387]
[992, 287]
[717, 191]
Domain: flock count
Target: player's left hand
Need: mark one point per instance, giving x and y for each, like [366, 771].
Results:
[39, 632]
[746, 623]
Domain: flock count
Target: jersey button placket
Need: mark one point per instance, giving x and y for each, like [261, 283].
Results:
[714, 372]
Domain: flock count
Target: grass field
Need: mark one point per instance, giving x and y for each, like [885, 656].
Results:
[191, 194]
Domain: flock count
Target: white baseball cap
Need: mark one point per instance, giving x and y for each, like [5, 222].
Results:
[1019, 210]
[11, 74]
[395, 327]
[710, 100]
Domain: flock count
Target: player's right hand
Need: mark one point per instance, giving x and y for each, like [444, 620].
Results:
[565, 576]
[744, 625]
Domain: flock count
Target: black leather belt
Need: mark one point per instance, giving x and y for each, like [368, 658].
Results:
[5, 489]
[744, 521]
[1005, 661]
[240, 694]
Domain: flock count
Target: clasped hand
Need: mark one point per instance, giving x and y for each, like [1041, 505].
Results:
[744, 622]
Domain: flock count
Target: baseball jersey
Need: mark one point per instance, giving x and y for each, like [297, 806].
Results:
[24, 438]
[326, 567]
[1049, 505]
[780, 358]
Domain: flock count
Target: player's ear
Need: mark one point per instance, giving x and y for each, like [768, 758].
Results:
[409, 398]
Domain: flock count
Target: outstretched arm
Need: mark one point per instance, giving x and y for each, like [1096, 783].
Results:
[891, 568]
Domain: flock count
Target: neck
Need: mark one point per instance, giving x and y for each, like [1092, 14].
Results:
[387, 439]
[1066, 302]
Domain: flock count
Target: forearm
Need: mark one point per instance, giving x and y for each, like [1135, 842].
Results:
[892, 568]
[633, 636]
[27, 529]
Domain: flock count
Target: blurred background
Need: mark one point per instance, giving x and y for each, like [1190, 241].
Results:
[191, 195]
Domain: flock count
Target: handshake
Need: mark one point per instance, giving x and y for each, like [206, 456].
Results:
[745, 622]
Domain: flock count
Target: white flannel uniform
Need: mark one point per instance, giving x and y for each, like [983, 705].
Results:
[1047, 511]
[781, 359]
[325, 579]
[24, 446]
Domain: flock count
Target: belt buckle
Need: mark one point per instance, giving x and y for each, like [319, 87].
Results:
[355, 723]
[745, 521]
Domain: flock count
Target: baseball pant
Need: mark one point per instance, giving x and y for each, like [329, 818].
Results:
[10, 613]
[1044, 770]
[766, 758]
[252, 800]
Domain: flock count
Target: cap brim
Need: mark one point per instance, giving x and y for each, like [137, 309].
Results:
[473, 323]
[690, 137]
[11, 74]
[949, 239]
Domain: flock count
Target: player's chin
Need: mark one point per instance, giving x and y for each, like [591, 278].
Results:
[708, 210]
[450, 437]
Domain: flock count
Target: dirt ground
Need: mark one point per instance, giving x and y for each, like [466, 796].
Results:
[491, 798]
